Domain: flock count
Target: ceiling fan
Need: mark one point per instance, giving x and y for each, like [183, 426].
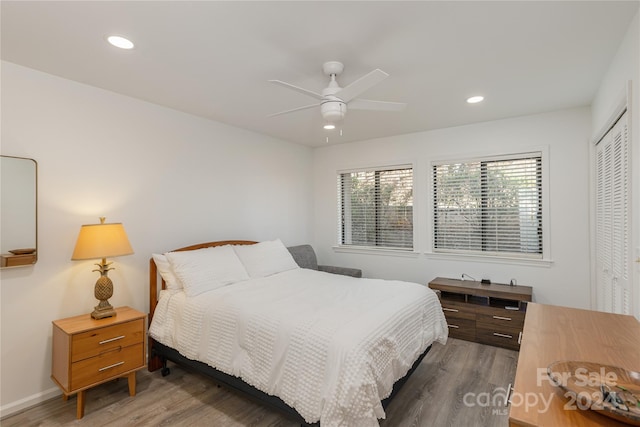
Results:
[334, 99]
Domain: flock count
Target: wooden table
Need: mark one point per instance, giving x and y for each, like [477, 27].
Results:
[553, 333]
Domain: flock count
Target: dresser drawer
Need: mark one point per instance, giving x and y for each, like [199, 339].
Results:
[500, 336]
[100, 340]
[461, 328]
[502, 318]
[458, 310]
[108, 364]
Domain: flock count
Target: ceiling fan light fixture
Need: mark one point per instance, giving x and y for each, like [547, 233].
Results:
[475, 99]
[329, 126]
[333, 111]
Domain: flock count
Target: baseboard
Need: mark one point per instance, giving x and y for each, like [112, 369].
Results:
[29, 401]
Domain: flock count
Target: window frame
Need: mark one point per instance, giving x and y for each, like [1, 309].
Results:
[387, 250]
[497, 257]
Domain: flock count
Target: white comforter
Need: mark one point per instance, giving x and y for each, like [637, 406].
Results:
[329, 346]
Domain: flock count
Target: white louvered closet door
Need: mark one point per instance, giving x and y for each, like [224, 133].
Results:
[613, 291]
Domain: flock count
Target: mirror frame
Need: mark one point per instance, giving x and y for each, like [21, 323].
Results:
[35, 255]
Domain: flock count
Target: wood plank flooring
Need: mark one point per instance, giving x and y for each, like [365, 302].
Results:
[433, 396]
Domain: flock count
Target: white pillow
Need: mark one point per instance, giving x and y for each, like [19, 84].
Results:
[206, 269]
[265, 258]
[165, 270]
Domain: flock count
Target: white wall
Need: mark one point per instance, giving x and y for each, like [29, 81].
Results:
[625, 68]
[565, 133]
[172, 179]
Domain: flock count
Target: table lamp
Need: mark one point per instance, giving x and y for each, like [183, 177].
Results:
[102, 241]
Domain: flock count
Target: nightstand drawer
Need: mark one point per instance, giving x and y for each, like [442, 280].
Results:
[97, 341]
[109, 364]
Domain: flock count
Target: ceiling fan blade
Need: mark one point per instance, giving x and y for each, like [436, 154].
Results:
[367, 104]
[365, 82]
[293, 109]
[297, 89]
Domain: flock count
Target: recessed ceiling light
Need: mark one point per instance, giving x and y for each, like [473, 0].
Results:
[475, 99]
[121, 42]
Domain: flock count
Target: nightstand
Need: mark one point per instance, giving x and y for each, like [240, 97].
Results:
[88, 352]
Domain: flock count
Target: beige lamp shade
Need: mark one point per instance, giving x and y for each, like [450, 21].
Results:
[101, 241]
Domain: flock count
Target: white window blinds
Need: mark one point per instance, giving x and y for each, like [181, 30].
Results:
[489, 206]
[376, 208]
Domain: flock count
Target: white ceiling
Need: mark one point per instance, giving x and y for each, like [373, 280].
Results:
[213, 59]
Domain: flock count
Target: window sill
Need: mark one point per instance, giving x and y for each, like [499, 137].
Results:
[376, 251]
[490, 259]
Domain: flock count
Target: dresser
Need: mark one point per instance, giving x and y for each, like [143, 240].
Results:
[88, 352]
[485, 313]
[553, 333]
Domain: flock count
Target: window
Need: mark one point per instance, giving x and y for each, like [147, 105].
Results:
[489, 206]
[376, 208]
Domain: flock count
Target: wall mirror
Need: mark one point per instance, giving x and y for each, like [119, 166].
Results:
[18, 211]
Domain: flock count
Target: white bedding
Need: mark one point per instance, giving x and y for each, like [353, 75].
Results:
[329, 346]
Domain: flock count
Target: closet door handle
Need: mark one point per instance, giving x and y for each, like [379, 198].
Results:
[450, 309]
[454, 326]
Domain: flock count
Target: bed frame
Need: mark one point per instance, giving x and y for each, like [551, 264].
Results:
[159, 354]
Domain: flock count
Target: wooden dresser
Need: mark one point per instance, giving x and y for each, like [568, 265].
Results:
[88, 352]
[486, 313]
[553, 333]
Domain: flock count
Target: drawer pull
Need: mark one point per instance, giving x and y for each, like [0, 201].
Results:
[450, 309]
[507, 401]
[520, 338]
[502, 318]
[111, 366]
[495, 334]
[111, 339]
[454, 326]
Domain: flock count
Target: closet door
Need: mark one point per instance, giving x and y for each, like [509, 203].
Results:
[613, 290]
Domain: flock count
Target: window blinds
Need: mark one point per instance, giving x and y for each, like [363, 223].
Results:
[489, 206]
[376, 208]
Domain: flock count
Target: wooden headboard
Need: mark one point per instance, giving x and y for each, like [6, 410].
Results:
[153, 270]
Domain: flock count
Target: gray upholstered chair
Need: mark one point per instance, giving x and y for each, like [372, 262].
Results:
[305, 257]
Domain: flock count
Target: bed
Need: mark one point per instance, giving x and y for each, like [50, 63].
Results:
[324, 348]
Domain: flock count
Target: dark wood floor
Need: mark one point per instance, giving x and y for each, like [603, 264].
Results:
[434, 396]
